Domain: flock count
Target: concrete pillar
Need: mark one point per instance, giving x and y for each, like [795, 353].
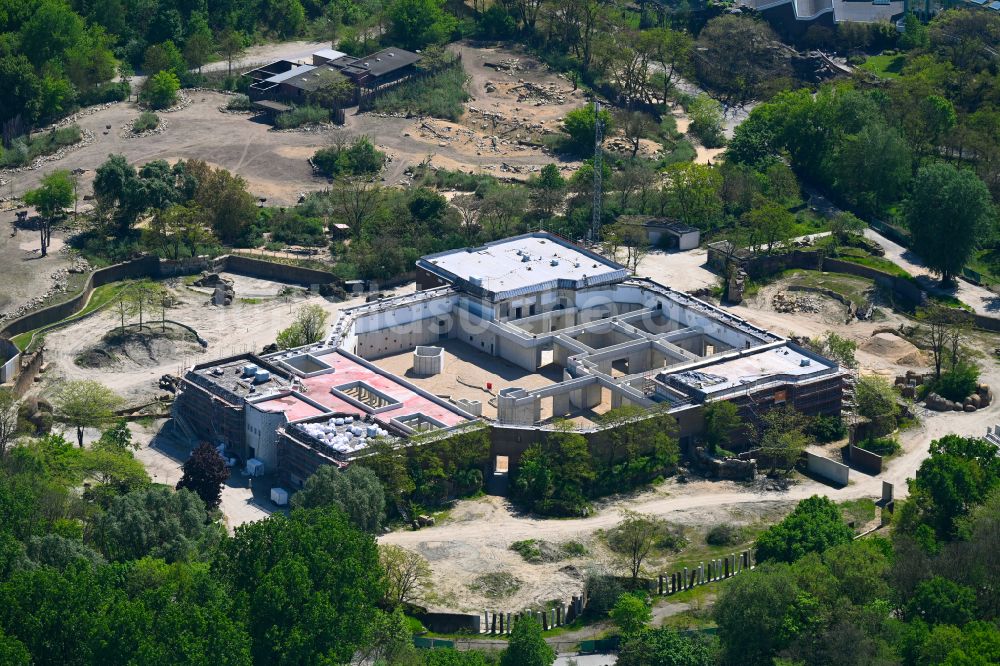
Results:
[659, 589]
[587, 397]
[501, 623]
[616, 400]
[560, 404]
[638, 362]
[685, 585]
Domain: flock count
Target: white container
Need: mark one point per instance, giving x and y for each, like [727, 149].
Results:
[279, 496]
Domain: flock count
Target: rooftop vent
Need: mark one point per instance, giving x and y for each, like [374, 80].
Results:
[525, 257]
[804, 362]
[391, 54]
[554, 262]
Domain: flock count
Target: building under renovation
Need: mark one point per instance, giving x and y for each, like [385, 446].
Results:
[521, 334]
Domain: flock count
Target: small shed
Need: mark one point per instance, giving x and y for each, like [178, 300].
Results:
[664, 232]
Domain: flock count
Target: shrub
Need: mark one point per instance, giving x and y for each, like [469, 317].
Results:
[883, 446]
[25, 149]
[725, 534]
[239, 103]
[146, 121]
[104, 93]
[579, 124]
[359, 159]
[827, 428]
[706, 121]
[302, 115]
[160, 90]
[440, 96]
[958, 383]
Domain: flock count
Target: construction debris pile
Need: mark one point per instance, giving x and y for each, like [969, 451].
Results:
[786, 303]
[506, 65]
[537, 94]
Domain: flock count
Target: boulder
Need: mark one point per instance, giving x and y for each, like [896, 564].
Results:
[970, 408]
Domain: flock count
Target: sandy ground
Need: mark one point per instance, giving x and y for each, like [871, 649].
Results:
[24, 273]
[230, 330]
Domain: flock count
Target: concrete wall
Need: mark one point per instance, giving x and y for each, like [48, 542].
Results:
[399, 338]
[865, 461]
[831, 470]
[262, 435]
[11, 358]
[428, 361]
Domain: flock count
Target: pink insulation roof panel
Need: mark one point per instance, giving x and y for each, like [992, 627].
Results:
[294, 407]
[347, 370]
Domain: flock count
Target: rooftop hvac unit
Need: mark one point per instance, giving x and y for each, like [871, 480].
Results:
[261, 376]
[554, 262]
[804, 362]
[525, 257]
[250, 369]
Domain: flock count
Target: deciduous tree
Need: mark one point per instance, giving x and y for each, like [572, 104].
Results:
[84, 403]
[407, 574]
[205, 473]
[356, 491]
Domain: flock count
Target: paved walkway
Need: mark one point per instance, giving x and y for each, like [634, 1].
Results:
[980, 299]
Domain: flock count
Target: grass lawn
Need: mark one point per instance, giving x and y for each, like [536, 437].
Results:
[849, 286]
[859, 511]
[859, 256]
[885, 66]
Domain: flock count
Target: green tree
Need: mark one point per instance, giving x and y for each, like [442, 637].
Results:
[156, 522]
[117, 438]
[814, 526]
[838, 348]
[548, 190]
[634, 538]
[56, 193]
[940, 601]
[160, 90]
[231, 46]
[579, 124]
[416, 24]
[407, 574]
[165, 57]
[781, 435]
[721, 419]
[22, 90]
[770, 226]
[760, 613]
[875, 397]
[915, 34]
[309, 327]
[706, 121]
[692, 194]
[356, 491]
[949, 214]
[666, 647]
[631, 614]
[959, 474]
[307, 584]
[200, 44]
[9, 407]
[84, 403]
[205, 473]
[230, 208]
[526, 646]
[874, 167]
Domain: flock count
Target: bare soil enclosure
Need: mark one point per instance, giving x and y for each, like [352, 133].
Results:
[133, 366]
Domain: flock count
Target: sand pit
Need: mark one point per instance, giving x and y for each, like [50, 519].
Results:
[893, 348]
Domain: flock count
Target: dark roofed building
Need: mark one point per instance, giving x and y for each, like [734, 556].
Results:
[287, 81]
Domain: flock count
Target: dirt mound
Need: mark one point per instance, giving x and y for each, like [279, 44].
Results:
[892, 348]
[148, 347]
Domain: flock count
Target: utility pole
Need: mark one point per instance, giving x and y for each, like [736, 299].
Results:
[595, 224]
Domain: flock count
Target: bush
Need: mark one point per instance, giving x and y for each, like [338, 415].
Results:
[160, 90]
[25, 149]
[725, 534]
[579, 124]
[440, 96]
[146, 121]
[302, 115]
[827, 428]
[959, 383]
[359, 159]
[104, 93]
[239, 103]
[882, 446]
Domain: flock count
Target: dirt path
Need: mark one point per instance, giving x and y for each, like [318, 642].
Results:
[980, 299]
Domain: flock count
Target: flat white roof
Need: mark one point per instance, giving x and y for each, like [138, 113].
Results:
[756, 369]
[330, 54]
[523, 264]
